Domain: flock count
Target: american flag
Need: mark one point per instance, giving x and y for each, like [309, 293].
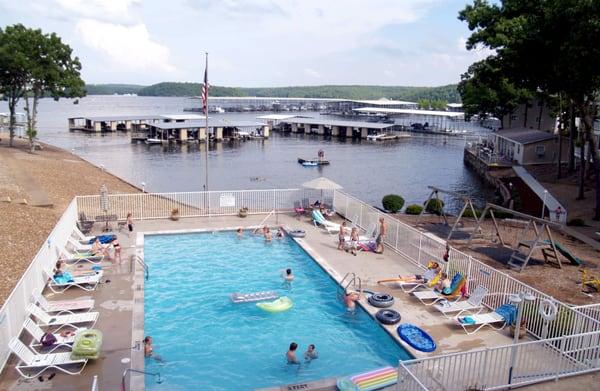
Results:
[205, 88]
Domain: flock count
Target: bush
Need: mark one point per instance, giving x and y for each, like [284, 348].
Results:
[413, 209]
[577, 222]
[469, 213]
[392, 203]
[435, 206]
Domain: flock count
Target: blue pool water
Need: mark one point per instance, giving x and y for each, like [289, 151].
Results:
[210, 343]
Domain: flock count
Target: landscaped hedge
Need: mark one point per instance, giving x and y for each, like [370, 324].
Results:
[392, 203]
[435, 206]
[413, 209]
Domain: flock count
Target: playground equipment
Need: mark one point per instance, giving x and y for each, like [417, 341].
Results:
[524, 248]
[467, 203]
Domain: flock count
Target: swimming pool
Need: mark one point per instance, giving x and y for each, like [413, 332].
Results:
[210, 343]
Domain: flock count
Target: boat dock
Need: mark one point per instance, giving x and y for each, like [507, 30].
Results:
[335, 127]
[422, 121]
[157, 129]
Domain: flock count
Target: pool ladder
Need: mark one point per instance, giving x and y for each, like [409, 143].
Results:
[350, 279]
[157, 376]
[140, 260]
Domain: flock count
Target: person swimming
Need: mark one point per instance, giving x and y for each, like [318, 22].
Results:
[288, 276]
[240, 233]
[311, 353]
[291, 354]
[350, 300]
[149, 349]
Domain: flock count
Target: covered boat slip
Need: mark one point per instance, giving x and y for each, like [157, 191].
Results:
[195, 131]
[426, 120]
[111, 123]
[334, 127]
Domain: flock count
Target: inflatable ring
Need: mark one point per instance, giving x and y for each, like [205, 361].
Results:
[548, 310]
[297, 233]
[381, 300]
[388, 316]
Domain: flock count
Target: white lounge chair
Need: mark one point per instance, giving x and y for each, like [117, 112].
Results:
[431, 297]
[67, 318]
[369, 234]
[76, 257]
[320, 221]
[87, 283]
[42, 362]
[79, 247]
[473, 303]
[80, 236]
[62, 305]
[37, 333]
[497, 319]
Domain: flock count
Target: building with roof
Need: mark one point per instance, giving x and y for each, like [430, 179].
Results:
[335, 127]
[527, 146]
[532, 115]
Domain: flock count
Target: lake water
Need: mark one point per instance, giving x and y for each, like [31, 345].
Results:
[367, 170]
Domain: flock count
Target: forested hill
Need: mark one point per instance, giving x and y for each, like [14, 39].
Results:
[447, 93]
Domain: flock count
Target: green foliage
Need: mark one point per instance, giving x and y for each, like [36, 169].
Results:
[435, 206]
[111, 89]
[469, 213]
[413, 209]
[576, 222]
[392, 203]
[435, 96]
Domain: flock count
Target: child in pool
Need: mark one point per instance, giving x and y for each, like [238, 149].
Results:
[311, 353]
[291, 354]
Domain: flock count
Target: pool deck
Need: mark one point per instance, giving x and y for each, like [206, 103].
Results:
[116, 296]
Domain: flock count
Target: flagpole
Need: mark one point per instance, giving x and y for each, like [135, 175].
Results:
[206, 119]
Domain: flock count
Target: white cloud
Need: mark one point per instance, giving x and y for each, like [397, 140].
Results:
[312, 73]
[130, 47]
[94, 9]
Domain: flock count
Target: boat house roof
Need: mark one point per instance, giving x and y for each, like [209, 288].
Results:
[524, 135]
[335, 122]
[451, 114]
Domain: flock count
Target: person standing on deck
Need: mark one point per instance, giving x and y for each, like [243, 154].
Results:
[381, 236]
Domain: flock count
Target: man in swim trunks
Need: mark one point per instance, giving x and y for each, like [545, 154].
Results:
[291, 354]
[311, 353]
[350, 300]
[381, 236]
[341, 236]
[288, 276]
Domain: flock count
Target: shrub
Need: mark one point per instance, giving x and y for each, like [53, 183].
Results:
[435, 206]
[469, 213]
[576, 222]
[392, 202]
[413, 209]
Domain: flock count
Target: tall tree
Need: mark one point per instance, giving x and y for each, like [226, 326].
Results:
[52, 72]
[13, 69]
[547, 46]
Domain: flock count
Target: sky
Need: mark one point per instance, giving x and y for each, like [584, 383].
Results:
[258, 43]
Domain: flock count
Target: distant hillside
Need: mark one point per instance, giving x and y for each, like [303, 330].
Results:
[111, 89]
[447, 93]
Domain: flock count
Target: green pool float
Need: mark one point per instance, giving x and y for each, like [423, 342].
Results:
[87, 344]
[284, 303]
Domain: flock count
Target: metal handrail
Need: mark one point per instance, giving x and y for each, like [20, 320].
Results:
[351, 279]
[159, 379]
[139, 260]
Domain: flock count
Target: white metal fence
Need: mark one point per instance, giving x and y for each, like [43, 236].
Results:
[505, 366]
[196, 204]
[420, 247]
[13, 312]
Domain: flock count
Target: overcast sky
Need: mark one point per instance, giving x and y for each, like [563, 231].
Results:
[257, 42]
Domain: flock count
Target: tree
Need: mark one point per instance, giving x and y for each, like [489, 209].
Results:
[13, 69]
[52, 71]
[548, 47]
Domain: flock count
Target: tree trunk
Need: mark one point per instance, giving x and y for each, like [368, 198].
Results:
[572, 136]
[580, 195]
[12, 103]
[28, 112]
[588, 114]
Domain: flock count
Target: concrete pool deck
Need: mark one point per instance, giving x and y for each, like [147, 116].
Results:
[115, 301]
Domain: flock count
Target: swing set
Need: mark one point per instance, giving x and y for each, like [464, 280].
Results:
[524, 248]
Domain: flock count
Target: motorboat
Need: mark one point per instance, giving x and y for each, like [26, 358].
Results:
[313, 162]
[153, 141]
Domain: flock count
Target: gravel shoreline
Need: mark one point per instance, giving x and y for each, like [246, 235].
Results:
[24, 228]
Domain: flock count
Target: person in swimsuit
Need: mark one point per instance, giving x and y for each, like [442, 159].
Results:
[149, 349]
[354, 240]
[129, 223]
[350, 300]
[98, 249]
[291, 354]
[280, 233]
[419, 277]
[288, 276]
[240, 233]
[311, 353]
[342, 236]
[117, 248]
[381, 236]
[268, 235]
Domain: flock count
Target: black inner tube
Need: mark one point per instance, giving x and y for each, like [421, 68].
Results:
[388, 316]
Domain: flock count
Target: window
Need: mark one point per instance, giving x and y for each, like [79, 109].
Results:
[540, 150]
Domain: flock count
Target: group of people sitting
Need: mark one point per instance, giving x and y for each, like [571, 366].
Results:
[353, 243]
[440, 282]
[104, 249]
[266, 232]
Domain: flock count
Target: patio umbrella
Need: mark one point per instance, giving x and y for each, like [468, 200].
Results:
[321, 183]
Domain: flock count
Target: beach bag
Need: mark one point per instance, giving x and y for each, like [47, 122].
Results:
[48, 339]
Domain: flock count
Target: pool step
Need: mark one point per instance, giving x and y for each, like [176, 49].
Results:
[318, 385]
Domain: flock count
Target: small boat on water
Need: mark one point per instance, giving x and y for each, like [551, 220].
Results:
[386, 136]
[313, 162]
[153, 141]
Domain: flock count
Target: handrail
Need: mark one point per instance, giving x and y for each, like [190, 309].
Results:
[265, 219]
[139, 260]
[156, 374]
[351, 278]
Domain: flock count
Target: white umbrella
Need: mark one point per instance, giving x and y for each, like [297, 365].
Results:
[321, 183]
